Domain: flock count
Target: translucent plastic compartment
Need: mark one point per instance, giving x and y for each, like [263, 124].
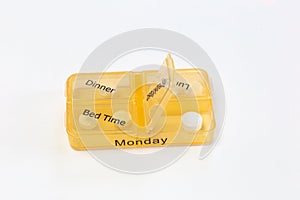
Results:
[99, 86]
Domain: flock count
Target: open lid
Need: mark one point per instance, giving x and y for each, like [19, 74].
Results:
[166, 74]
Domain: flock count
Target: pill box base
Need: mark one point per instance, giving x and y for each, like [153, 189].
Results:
[108, 142]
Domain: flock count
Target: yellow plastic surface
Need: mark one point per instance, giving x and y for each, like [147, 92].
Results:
[138, 109]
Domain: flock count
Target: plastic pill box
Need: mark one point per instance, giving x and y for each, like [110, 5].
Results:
[139, 109]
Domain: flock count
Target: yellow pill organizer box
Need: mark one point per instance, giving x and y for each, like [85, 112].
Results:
[139, 109]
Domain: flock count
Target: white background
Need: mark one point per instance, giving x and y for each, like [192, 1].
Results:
[253, 43]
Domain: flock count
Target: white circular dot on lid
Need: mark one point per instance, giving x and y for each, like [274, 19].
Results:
[87, 122]
[191, 121]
